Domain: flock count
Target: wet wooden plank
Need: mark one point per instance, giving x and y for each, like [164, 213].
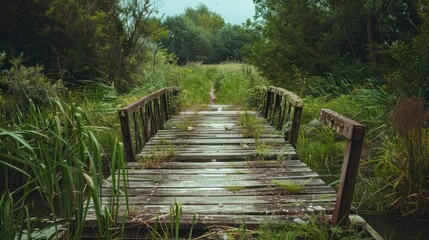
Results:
[205, 191]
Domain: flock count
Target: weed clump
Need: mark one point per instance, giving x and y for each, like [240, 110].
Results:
[288, 186]
[252, 126]
[164, 151]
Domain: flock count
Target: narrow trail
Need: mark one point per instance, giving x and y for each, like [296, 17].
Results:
[212, 95]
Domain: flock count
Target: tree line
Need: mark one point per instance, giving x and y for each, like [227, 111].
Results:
[387, 40]
[203, 36]
[109, 40]
[289, 41]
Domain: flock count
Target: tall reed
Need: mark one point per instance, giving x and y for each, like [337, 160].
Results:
[55, 153]
[405, 163]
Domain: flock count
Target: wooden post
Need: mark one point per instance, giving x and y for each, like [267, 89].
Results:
[126, 135]
[164, 107]
[349, 173]
[144, 125]
[296, 122]
[268, 103]
[354, 133]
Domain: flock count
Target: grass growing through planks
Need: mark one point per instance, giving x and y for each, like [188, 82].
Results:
[235, 188]
[163, 151]
[288, 186]
[251, 125]
[187, 124]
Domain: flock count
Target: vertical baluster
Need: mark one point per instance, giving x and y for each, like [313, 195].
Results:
[126, 135]
[281, 113]
[157, 113]
[268, 104]
[164, 108]
[278, 110]
[138, 139]
[144, 124]
[296, 121]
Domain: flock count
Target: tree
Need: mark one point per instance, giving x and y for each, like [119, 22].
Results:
[412, 73]
[202, 35]
[78, 40]
[294, 38]
[228, 43]
[205, 19]
[187, 41]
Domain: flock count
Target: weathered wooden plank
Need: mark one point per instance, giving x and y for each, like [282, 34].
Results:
[232, 164]
[211, 113]
[263, 191]
[240, 209]
[224, 200]
[213, 148]
[216, 156]
[228, 178]
[284, 170]
[199, 183]
[218, 141]
[190, 135]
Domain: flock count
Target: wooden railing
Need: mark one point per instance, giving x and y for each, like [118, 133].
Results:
[354, 133]
[283, 109]
[142, 119]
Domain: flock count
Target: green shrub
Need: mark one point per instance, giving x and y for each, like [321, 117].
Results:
[20, 84]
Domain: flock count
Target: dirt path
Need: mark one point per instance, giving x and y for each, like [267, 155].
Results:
[212, 95]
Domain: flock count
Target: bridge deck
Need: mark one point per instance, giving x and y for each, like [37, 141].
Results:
[203, 162]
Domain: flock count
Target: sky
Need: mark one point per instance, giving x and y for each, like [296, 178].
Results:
[232, 11]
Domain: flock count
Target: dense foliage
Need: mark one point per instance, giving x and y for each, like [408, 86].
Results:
[384, 39]
[201, 35]
[78, 41]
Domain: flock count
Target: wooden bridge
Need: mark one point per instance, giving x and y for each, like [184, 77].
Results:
[225, 166]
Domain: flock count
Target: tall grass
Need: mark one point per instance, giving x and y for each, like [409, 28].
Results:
[311, 229]
[405, 162]
[55, 154]
[235, 83]
[195, 87]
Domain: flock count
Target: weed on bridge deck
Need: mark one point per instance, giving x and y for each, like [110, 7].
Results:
[220, 167]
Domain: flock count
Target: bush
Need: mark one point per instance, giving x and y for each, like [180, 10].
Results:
[20, 84]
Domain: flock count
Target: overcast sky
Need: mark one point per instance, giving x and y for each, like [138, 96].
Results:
[232, 11]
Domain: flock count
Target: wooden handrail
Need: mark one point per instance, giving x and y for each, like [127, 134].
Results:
[142, 119]
[354, 132]
[286, 105]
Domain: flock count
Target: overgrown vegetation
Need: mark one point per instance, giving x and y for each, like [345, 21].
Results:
[63, 78]
[288, 186]
[295, 42]
[310, 229]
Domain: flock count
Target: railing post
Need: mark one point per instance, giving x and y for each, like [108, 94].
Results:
[268, 103]
[348, 177]
[354, 132]
[296, 122]
[126, 135]
[164, 107]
